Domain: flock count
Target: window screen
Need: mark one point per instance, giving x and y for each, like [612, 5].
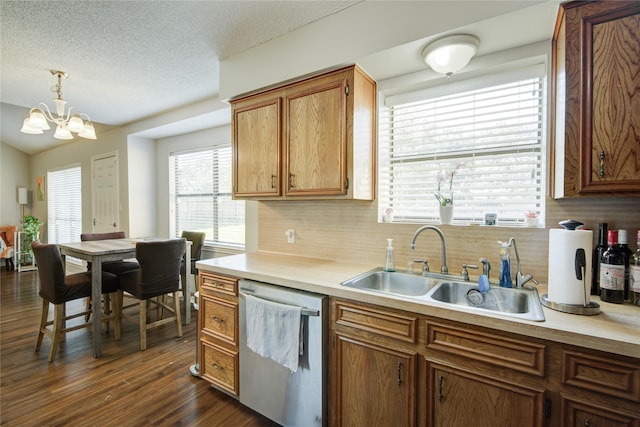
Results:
[201, 196]
[482, 148]
[64, 205]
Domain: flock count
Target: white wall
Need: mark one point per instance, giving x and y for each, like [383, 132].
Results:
[14, 173]
[143, 188]
[80, 152]
[344, 38]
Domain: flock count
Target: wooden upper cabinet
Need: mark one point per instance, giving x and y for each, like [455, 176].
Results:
[596, 89]
[311, 139]
[256, 148]
[316, 138]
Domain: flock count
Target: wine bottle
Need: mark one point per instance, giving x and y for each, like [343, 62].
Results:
[623, 246]
[601, 246]
[612, 271]
[634, 274]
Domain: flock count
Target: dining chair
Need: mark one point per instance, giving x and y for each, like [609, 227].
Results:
[114, 267]
[197, 242]
[158, 275]
[57, 288]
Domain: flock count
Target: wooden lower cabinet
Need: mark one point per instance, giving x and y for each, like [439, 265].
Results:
[375, 384]
[460, 398]
[577, 413]
[218, 329]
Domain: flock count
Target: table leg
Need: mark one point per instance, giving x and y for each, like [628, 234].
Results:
[96, 302]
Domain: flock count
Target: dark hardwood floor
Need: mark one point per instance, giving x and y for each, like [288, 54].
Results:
[125, 387]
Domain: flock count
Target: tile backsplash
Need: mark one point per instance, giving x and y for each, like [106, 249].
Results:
[349, 230]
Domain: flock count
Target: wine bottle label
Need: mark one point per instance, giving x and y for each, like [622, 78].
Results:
[634, 278]
[612, 277]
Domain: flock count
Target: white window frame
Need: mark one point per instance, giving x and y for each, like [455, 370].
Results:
[64, 205]
[220, 192]
[415, 201]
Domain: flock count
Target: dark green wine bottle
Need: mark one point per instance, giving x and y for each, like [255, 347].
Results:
[612, 271]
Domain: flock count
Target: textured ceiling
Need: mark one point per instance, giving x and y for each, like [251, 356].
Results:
[129, 60]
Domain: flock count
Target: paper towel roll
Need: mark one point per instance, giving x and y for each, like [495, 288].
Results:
[564, 286]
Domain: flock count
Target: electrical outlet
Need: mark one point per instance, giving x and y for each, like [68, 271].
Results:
[291, 235]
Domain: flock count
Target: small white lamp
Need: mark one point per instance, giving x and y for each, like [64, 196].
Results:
[451, 54]
[23, 198]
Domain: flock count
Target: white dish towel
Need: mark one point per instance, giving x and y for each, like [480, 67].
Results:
[273, 330]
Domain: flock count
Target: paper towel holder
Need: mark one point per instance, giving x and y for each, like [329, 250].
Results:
[590, 308]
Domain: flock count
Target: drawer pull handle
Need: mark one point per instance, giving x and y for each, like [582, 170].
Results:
[399, 374]
[441, 383]
[601, 172]
[587, 422]
[218, 367]
[273, 181]
[217, 319]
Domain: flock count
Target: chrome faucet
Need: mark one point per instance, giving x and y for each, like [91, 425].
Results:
[520, 279]
[444, 268]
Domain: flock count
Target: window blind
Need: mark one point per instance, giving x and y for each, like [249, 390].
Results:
[64, 205]
[201, 196]
[489, 138]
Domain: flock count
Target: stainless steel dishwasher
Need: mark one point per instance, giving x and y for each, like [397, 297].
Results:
[290, 399]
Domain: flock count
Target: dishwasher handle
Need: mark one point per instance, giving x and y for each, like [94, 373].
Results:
[303, 310]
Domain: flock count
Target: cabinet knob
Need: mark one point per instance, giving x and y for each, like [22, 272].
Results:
[587, 422]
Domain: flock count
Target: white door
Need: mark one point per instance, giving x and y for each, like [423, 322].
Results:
[106, 205]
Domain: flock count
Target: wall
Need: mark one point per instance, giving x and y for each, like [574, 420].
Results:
[349, 230]
[14, 173]
[143, 187]
[80, 152]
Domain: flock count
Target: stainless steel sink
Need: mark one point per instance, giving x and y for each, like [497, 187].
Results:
[518, 302]
[393, 283]
[523, 303]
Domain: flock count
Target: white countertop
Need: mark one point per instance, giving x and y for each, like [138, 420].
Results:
[616, 329]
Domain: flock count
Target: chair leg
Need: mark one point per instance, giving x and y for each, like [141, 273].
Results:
[143, 324]
[116, 303]
[176, 308]
[43, 323]
[58, 320]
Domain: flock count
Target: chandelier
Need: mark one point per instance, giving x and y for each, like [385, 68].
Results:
[36, 122]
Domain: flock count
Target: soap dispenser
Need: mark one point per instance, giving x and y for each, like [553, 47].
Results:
[389, 265]
[505, 266]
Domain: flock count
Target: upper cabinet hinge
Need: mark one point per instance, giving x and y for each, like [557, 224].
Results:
[346, 90]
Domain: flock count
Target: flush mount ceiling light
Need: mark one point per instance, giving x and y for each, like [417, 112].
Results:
[36, 122]
[451, 54]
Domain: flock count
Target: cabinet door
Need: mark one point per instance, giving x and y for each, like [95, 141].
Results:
[582, 414]
[612, 100]
[460, 398]
[256, 150]
[316, 139]
[375, 385]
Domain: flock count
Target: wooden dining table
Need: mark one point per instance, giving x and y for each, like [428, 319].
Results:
[100, 251]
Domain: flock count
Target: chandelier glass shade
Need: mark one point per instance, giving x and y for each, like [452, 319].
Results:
[39, 117]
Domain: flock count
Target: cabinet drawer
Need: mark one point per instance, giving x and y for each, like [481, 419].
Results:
[219, 366]
[220, 319]
[223, 284]
[383, 322]
[580, 413]
[497, 350]
[602, 374]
